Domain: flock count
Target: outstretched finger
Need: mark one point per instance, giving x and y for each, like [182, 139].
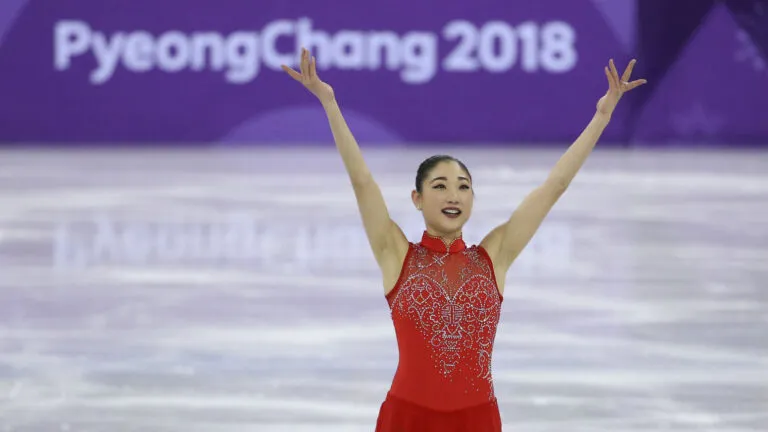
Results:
[635, 83]
[614, 72]
[295, 75]
[628, 70]
[313, 67]
[612, 79]
[304, 64]
[611, 84]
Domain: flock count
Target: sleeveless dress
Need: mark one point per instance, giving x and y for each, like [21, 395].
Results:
[445, 308]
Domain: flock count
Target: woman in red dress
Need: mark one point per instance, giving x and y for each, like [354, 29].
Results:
[445, 297]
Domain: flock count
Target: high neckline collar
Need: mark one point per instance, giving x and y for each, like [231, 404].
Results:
[437, 244]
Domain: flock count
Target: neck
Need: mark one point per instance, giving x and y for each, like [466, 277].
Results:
[452, 243]
[446, 237]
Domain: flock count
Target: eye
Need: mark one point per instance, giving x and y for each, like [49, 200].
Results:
[439, 186]
[465, 187]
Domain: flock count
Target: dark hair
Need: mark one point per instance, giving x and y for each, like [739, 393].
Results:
[429, 164]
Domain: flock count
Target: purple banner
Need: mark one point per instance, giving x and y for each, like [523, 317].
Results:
[482, 71]
[714, 91]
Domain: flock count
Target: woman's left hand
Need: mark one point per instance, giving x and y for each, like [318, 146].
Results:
[617, 87]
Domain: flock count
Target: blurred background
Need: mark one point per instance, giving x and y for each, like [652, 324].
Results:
[180, 249]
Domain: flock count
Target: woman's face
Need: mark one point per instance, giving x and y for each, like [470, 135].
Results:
[446, 199]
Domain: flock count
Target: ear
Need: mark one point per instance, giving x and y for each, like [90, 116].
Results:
[416, 198]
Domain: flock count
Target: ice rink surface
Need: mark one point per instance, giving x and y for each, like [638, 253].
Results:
[234, 291]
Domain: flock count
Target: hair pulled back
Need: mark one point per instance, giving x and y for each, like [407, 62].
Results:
[430, 163]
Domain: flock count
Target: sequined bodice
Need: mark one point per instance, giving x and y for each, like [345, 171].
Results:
[445, 308]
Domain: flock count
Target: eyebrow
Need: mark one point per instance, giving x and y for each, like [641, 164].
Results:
[446, 179]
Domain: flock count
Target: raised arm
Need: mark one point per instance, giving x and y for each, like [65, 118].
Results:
[508, 240]
[387, 240]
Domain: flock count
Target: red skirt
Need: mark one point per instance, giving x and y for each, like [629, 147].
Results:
[398, 415]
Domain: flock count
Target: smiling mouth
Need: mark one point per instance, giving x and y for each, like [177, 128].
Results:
[452, 212]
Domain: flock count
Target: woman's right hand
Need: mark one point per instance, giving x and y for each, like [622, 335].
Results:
[308, 77]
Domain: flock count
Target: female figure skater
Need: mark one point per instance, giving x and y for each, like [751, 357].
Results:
[445, 298]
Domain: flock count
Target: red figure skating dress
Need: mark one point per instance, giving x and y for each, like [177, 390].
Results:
[445, 309]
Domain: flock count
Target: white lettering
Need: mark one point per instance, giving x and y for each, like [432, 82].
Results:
[507, 55]
[461, 57]
[348, 50]
[72, 38]
[558, 52]
[107, 54]
[494, 47]
[242, 57]
[317, 42]
[139, 48]
[269, 37]
[420, 57]
[208, 45]
[386, 44]
[528, 32]
[476, 47]
[173, 52]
